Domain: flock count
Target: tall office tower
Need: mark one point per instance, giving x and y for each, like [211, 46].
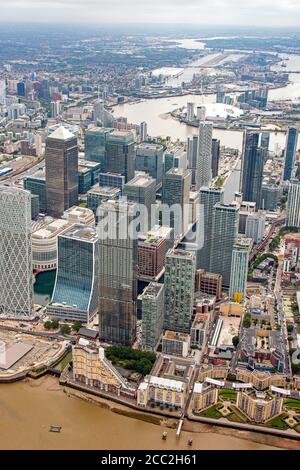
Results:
[192, 150]
[203, 173]
[75, 295]
[179, 289]
[215, 157]
[270, 195]
[61, 162]
[36, 184]
[15, 253]
[142, 189]
[152, 300]
[252, 168]
[190, 113]
[149, 158]
[290, 153]
[38, 142]
[265, 140]
[120, 153]
[224, 233]
[95, 144]
[239, 269]
[2, 93]
[293, 204]
[255, 226]
[98, 112]
[55, 109]
[201, 113]
[176, 190]
[143, 131]
[21, 89]
[209, 197]
[117, 273]
[113, 180]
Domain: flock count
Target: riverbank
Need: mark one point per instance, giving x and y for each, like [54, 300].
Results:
[32, 406]
[189, 426]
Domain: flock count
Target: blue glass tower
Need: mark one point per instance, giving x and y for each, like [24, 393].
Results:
[290, 153]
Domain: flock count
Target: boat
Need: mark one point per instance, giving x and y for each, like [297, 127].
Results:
[190, 441]
[55, 428]
[164, 435]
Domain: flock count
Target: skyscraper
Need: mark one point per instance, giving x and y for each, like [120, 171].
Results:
[15, 253]
[252, 168]
[149, 158]
[176, 190]
[61, 162]
[143, 131]
[293, 204]
[239, 269]
[224, 233]
[2, 93]
[204, 155]
[179, 289]
[190, 114]
[117, 274]
[75, 295]
[209, 197]
[215, 157]
[120, 153]
[95, 144]
[152, 300]
[142, 190]
[290, 153]
[192, 149]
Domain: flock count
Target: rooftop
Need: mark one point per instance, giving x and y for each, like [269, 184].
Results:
[61, 133]
[81, 232]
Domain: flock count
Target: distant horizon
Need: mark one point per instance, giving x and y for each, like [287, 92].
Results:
[257, 13]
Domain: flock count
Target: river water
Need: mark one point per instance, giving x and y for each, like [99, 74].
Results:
[28, 408]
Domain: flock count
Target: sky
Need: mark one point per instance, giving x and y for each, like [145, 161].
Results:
[273, 13]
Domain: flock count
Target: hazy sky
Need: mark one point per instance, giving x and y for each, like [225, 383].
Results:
[223, 12]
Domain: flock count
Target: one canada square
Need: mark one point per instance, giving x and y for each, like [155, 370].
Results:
[15, 253]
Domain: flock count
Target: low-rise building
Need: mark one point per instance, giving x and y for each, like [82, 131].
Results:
[209, 283]
[200, 330]
[259, 406]
[204, 396]
[175, 343]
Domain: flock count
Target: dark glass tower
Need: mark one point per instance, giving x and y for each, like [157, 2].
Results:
[290, 152]
[252, 168]
[215, 157]
[61, 158]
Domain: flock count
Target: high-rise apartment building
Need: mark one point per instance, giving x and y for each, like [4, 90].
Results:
[293, 205]
[192, 149]
[179, 289]
[16, 291]
[290, 153]
[149, 158]
[152, 300]
[75, 295]
[255, 226]
[239, 269]
[224, 233]
[204, 155]
[209, 197]
[190, 113]
[61, 163]
[117, 273]
[215, 157]
[252, 168]
[176, 191]
[151, 256]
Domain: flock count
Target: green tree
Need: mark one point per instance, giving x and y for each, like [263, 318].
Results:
[247, 320]
[76, 325]
[235, 341]
[65, 330]
[290, 328]
[48, 325]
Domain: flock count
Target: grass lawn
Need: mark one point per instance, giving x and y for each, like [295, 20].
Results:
[229, 394]
[212, 412]
[278, 422]
[292, 403]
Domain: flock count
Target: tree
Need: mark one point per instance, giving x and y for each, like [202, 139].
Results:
[76, 325]
[235, 341]
[290, 338]
[247, 320]
[55, 324]
[231, 377]
[65, 330]
[48, 325]
[290, 328]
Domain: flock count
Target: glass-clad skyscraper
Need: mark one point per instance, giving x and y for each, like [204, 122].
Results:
[252, 169]
[15, 252]
[290, 152]
[117, 273]
[75, 292]
[94, 144]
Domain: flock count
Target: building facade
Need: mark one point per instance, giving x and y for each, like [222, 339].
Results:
[152, 300]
